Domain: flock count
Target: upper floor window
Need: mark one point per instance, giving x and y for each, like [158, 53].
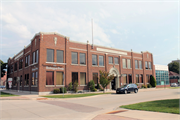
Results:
[27, 60]
[101, 60]
[59, 56]
[82, 58]
[74, 57]
[94, 59]
[50, 55]
[37, 54]
[110, 60]
[150, 65]
[124, 63]
[136, 64]
[128, 63]
[146, 65]
[116, 60]
[33, 57]
[140, 64]
[15, 66]
[12, 68]
[20, 63]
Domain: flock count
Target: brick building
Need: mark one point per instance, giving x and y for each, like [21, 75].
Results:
[41, 65]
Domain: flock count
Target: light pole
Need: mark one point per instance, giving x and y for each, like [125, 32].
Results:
[63, 85]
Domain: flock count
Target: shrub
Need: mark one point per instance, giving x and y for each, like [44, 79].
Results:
[152, 81]
[61, 90]
[91, 85]
[144, 86]
[70, 87]
[98, 86]
[149, 86]
[56, 91]
[75, 87]
[137, 84]
[80, 92]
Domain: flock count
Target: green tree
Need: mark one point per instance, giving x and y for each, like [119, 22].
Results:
[70, 87]
[91, 85]
[105, 79]
[3, 67]
[75, 86]
[174, 66]
[152, 81]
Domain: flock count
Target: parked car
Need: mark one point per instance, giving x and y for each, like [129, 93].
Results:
[127, 88]
[174, 85]
[2, 87]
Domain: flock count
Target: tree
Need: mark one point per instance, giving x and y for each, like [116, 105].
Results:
[91, 85]
[75, 86]
[152, 81]
[3, 66]
[105, 79]
[70, 87]
[174, 66]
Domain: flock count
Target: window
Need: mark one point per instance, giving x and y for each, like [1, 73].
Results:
[83, 78]
[12, 68]
[150, 65]
[21, 80]
[94, 59]
[36, 78]
[125, 78]
[15, 66]
[136, 64]
[116, 60]
[110, 60]
[37, 56]
[49, 78]
[95, 78]
[59, 55]
[101, 60]
[82, 58]
[74, 77]
[33, 82]
[140, 64]
[128, 63]
[20, 63]
[26, 79]
[137, 78]
[141, 78]
[130, 78]
[146, 65]
[14, 82]
[50, 55]
[28, 59]
[59, 78]
[148, 78]
[124, 63]
[74, 58]
[33, 57]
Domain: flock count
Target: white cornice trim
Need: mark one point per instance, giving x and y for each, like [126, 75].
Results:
[111, 51]
[27, 52]
[77, 49]
[77, 42]
[53, 33]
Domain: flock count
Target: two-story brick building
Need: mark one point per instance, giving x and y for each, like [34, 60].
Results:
[41, 65]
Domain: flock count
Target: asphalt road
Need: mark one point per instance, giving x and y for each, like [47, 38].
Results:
[77, 108]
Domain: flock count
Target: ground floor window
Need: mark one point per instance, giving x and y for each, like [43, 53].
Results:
[74, 77]
[21, 80]
[83, 78]
[95, 78]
[26, 79]
[141, 78]
[125, 78]
[59, 78]
[32, 81]
[36, 77]
[14, 81]
[148, 78]
[130, 78]
[137, 78]
[49, 78]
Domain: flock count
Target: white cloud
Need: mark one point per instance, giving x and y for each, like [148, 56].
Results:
[114, 31]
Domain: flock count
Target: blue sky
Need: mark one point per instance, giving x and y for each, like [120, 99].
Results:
[148, 25]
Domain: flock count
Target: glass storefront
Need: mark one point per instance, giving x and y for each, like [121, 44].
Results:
[162, 77]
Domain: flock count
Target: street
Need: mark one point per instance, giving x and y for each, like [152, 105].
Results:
[85, 108]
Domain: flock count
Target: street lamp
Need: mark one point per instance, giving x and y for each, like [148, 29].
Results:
[63, 85]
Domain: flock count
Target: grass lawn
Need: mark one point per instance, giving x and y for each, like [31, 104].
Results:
[167, 106]
[74, 95]
[2, 94]
[174, 87]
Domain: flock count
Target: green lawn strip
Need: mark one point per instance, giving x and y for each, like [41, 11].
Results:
[174, 87]
[74, 95]
[2, 94]
[167, 106]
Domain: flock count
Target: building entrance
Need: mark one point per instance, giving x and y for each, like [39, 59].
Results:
[113, 84]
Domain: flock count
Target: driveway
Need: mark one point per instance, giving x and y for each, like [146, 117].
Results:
[78, 108]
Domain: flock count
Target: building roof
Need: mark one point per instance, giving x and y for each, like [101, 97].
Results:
[161, 67]
[171, 73]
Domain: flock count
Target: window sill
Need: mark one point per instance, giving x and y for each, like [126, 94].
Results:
[33, 64]
[34, 86]
[116, 64]
[94, 65]
[20, 69]
[82, 65]
[74, 64]
[59, 85]
[49, 85]
[56, 63]
[101, 66]
[110, 63]
[26, 86]
[26, 66]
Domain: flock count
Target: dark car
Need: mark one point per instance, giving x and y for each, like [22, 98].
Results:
[2, 87]
[127, 88]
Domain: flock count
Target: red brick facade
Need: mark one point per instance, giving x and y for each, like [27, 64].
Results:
[44, 41]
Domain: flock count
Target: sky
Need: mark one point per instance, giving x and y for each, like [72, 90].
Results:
[140, 25]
